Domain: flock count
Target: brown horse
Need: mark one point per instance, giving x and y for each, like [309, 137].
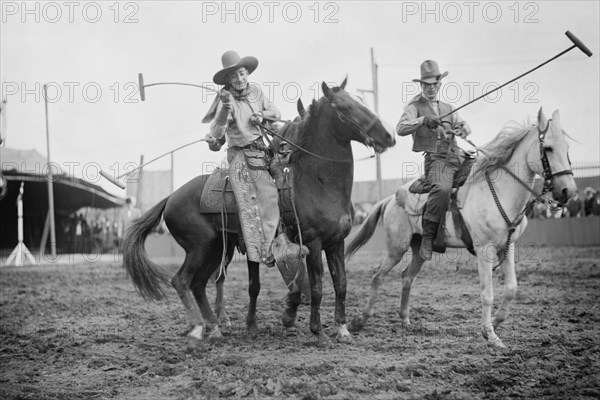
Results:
[322, 165]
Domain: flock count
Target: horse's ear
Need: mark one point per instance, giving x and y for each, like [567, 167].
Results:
[556, 117]
[326, 91]
[542, 120]
[300, 108]
[343, 84]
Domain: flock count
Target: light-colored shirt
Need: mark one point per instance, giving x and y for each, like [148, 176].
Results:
[238, 130]
[410, 121]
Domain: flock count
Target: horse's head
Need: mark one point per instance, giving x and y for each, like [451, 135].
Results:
[551, 159]
[355, 121]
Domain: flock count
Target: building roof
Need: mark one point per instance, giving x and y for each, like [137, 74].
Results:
[70, 193]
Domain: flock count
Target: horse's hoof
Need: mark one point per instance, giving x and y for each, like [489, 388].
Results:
[252, 327]
[193, 342]
[406, 323]
[347, 339]
[226, 323]
[197, 333]
[215, 335]
[496, 343]
[343, 336]
[484, 334]
[288, 321]
[223, 319]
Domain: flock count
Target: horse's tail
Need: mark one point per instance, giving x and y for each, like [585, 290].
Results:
[367, 228]
[146, 275]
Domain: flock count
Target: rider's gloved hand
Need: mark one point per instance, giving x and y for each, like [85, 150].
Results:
[257, 117]
[461, 131]
[210, 139]
[430, 122]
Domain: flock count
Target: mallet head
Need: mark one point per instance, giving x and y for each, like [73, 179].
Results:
[578, 43]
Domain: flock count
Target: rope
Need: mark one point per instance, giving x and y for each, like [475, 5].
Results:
[222, 270]
[286, 172]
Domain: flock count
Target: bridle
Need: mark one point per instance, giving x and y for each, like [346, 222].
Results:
[547, 172]
[343, 118]
[548, 176]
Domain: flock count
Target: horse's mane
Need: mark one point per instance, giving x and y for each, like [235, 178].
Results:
[297, 132]
[498, 151]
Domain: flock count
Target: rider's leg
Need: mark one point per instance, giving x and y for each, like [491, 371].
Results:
[441, 170]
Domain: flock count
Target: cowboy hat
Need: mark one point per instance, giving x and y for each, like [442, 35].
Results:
[430, 72]
[231, 61]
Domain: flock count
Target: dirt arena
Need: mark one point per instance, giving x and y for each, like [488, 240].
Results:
[79, 330]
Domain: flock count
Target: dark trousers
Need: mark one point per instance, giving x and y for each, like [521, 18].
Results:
[440, 169]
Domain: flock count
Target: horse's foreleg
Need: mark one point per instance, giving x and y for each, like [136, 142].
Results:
[510, 287]
[199, 291]
[408, 277]
[253, 291]
[182, 282]
[487, 296]
[335, 261]
[315, 274]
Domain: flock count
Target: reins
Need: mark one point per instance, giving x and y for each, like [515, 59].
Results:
[343, 117]
[272, 132]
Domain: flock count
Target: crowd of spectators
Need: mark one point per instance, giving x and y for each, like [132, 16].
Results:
[577, 206]
[92, 231]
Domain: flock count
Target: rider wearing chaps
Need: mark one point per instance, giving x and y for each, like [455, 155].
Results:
[442, 155]
[234, 116]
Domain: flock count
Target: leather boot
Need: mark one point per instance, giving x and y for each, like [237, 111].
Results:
[429, 231]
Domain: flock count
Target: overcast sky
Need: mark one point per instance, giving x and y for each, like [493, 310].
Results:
[91, 52]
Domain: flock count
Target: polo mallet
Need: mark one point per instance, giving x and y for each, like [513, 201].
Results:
[576, 43]
[115, 181]
[144, 86]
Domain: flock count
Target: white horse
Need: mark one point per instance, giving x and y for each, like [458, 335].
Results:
[489, 208]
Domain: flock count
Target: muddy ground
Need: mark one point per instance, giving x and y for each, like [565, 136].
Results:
[80, 330]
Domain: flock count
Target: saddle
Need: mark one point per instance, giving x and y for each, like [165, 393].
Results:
[422, 186]
[218, 194]
[217, 190]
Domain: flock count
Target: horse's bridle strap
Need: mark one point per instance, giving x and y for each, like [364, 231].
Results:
[301, 148]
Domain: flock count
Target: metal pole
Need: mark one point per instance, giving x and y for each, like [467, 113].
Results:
[50, 181]
[376, 105]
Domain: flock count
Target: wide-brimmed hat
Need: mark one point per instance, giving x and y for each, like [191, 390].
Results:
[430, 72]
[231, 60]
